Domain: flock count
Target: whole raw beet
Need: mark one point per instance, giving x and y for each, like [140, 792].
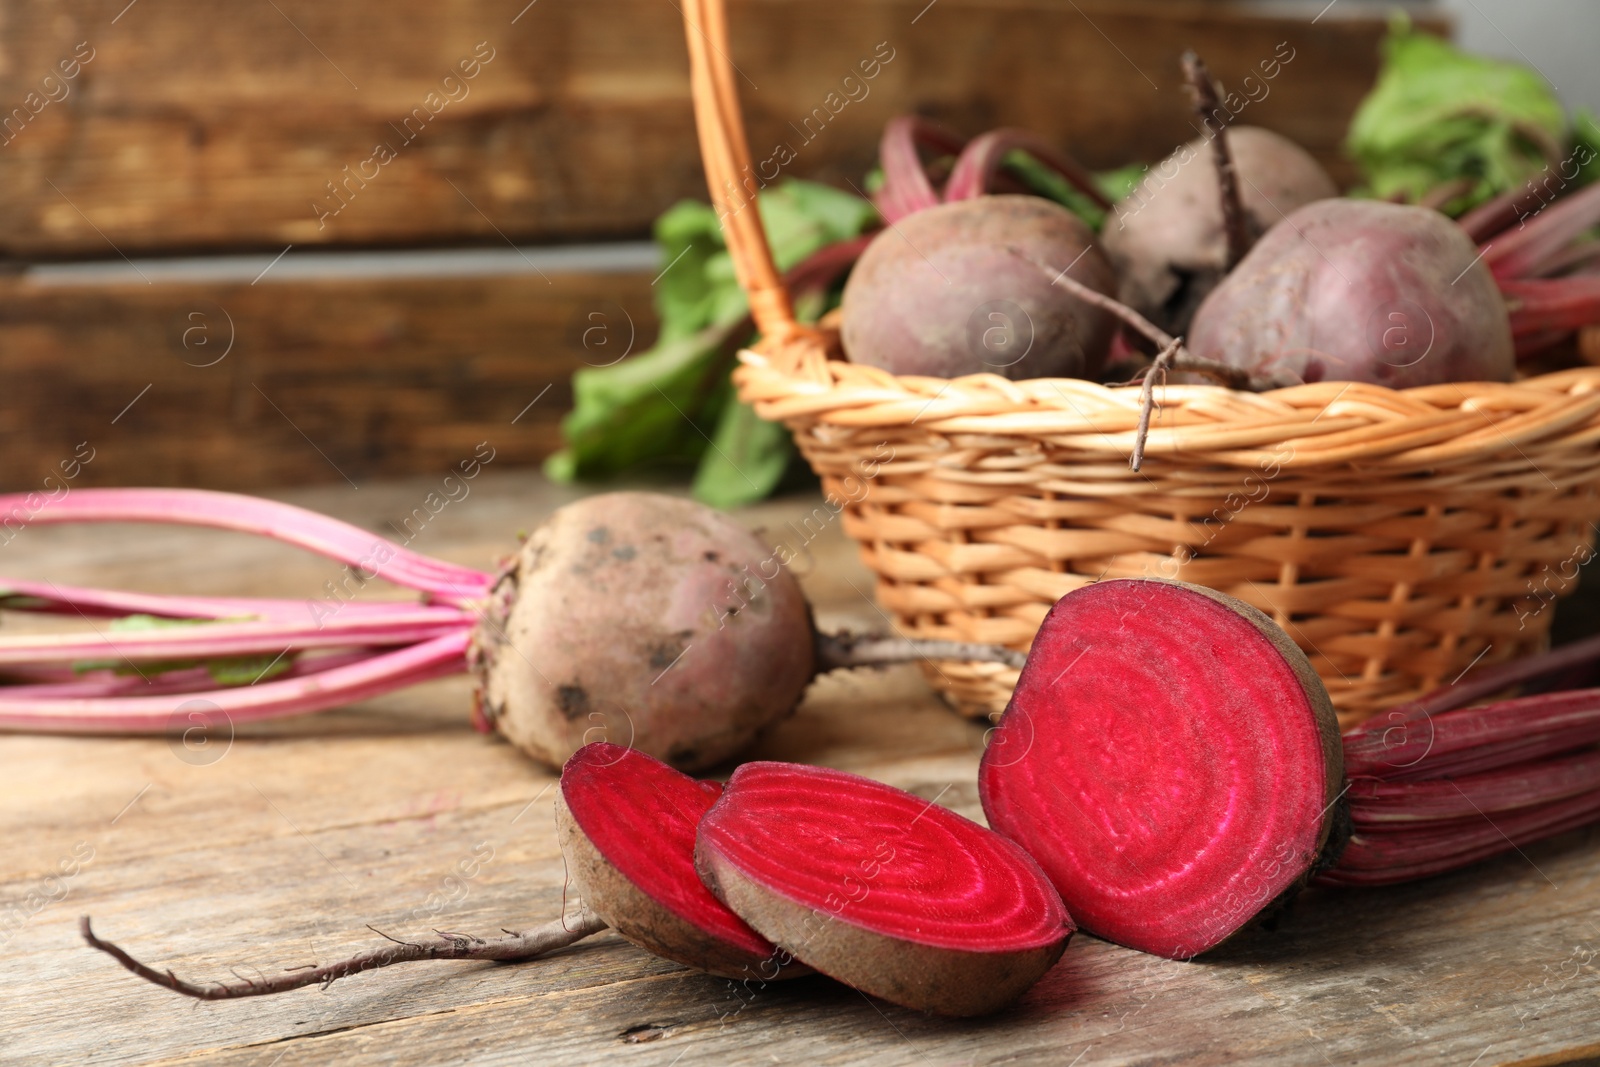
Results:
[1165, 239]
[945, 292]
[596, 646]
[1362, 291]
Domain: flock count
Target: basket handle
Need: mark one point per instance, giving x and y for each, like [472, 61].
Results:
[725, 151]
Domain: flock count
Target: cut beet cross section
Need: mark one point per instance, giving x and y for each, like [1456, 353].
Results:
[627, 826]
[881, 889]
[1171, 760]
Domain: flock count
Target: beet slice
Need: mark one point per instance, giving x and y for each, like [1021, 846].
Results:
[1170, 759]
[881, 889]
[627, 827]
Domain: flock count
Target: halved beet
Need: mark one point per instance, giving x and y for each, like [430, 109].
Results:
[881, 889]
[1170, 759]
[627, 828]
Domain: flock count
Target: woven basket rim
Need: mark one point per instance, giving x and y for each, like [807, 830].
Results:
[1320, 424]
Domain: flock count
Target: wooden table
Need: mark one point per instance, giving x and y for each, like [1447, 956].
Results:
[280, 848]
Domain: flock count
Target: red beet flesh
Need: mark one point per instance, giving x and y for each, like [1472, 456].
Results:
[628, 826]
[1169, 758]
[881, 889]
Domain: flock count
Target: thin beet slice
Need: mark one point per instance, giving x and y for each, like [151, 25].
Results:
[881, 889]
[1170, 759]
[627, 827]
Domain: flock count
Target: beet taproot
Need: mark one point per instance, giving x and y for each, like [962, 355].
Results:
[1167, 241]
[943, 293]
[881, 889]
[1171, 760]
[627, 827]
[1363, 291]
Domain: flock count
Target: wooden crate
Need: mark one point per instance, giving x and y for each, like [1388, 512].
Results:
[303, 380]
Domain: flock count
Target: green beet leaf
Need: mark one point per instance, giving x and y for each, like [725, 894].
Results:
[1439, 115]
[673, 403]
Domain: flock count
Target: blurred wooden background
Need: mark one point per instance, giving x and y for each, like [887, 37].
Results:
[201, 129]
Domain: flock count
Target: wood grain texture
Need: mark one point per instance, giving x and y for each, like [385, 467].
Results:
[278, 852]
[198, 124]
[326, 380]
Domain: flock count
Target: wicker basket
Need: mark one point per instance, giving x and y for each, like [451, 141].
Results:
[1399, 537]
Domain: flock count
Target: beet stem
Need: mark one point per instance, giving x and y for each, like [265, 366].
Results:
[291, 694]
[1203, 93]
[226, 639]
[1483, 738]
[50, 598]
[1574, 259]
[1232, 377]
[1386, 857]
[524, 946]
[1552, 304]
[1493, 216]
[983, 159]
[1147, 400]
[1485, 683]
[1524, 253]
[339, 541]
[1222, 373]
[1409, 804]
[907, 188]
[844, 650]
[1098, 299]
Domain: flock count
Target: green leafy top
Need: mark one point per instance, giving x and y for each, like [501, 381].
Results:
[1586, 146]
[1438, 114]
[699, 289]
[674, 403]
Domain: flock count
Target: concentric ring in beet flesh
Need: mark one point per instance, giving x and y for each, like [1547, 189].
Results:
[1171, 760]
[881, 889]
[627, 827]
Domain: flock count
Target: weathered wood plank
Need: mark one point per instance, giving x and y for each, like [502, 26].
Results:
[240, 385]
[277, 854]
[190, 124]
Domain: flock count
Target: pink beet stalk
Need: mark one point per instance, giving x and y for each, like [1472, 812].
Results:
[305, 655]
[907, 188]
[1439, 743]
[1436, 785]
[1551, 305]
[57, 685]
[1410, 804]
[1541, 262]
[1493, 216]
[296, 695]
[1521, 253]
[339, 541]
[980, 162]
[229, 639]
[50, 598]
[1484, 683]
[1375, 858]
